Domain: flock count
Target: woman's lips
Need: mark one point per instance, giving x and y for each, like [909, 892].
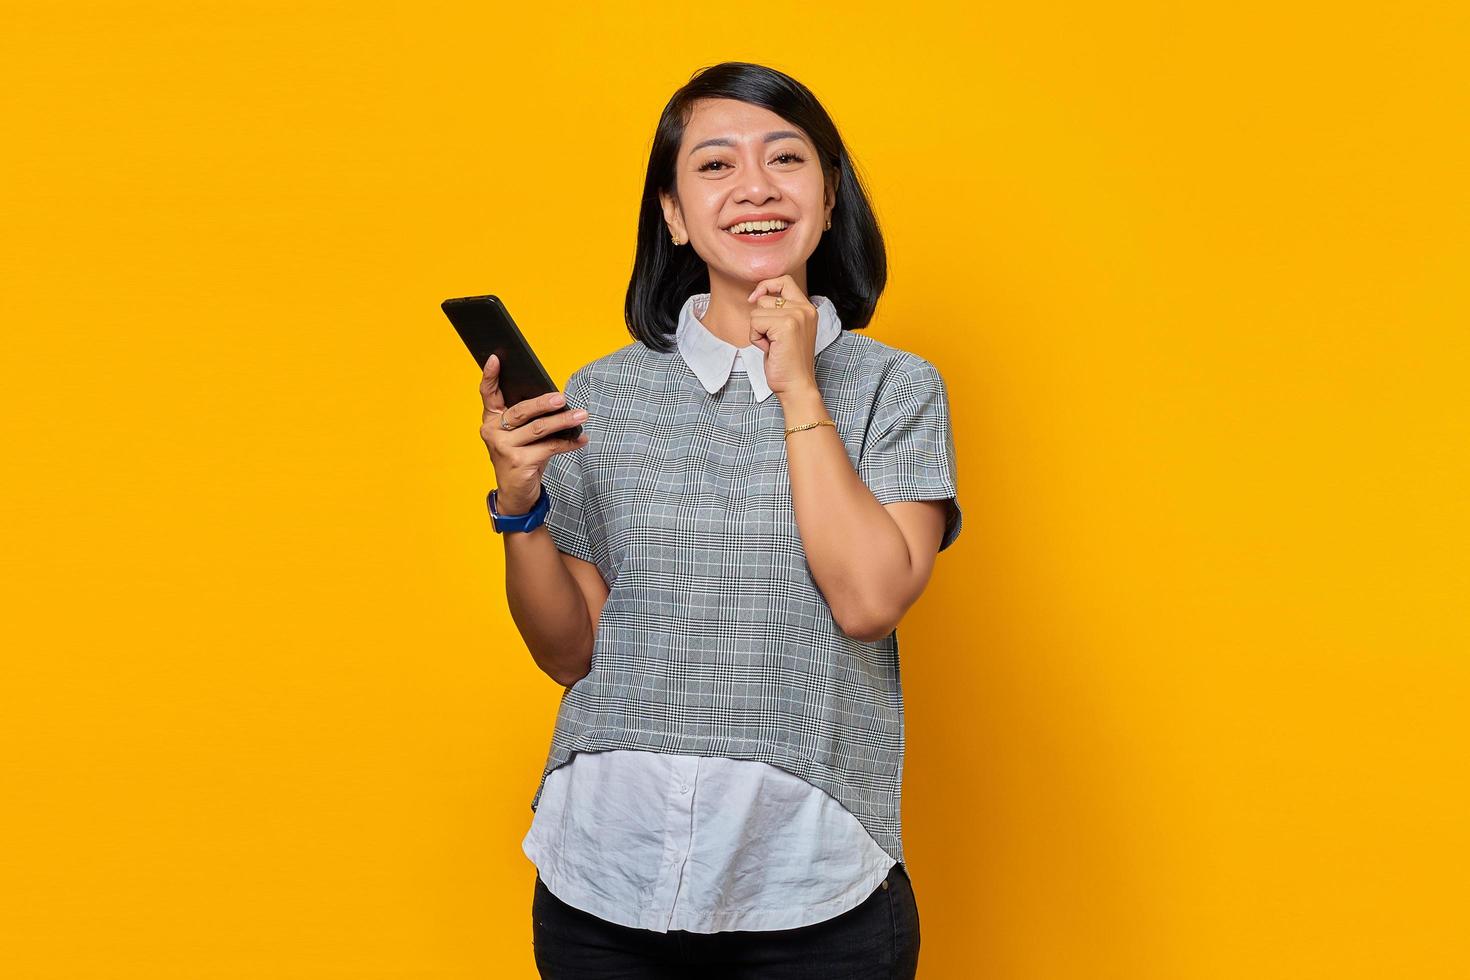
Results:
[766, 239]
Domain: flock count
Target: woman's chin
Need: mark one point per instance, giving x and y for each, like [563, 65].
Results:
[753, 272]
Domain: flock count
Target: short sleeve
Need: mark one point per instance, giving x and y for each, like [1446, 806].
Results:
[909, 452]
[563, 480]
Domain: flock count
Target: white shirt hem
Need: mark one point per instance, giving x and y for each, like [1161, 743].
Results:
[724, 920]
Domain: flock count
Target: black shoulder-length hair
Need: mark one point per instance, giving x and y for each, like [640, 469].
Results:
[849, 266]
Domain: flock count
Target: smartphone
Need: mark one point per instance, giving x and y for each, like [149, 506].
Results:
[485, 326]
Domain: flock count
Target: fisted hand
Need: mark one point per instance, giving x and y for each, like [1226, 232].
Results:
[514, 437]
[783, 324]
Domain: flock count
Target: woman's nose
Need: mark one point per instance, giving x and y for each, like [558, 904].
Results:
[757, 186]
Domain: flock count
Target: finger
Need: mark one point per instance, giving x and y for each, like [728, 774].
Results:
[767, 287]
[523, 411]
[778, 286]
[490, 386]
[761, 331]
[768, 302]
[769, 325]
[544, 425]
[544, 430]
[764, 331]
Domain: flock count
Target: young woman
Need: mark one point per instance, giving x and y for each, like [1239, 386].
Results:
[758, 496]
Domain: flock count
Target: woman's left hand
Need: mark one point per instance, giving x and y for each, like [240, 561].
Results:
[786, 334]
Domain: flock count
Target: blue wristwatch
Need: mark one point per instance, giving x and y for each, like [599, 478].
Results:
[528, 521]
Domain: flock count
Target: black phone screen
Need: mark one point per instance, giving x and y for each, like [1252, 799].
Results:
[485, 326]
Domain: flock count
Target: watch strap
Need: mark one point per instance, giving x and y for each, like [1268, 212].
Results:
[528, 521]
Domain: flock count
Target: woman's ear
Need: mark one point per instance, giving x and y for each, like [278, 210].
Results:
[831, 194]
[672, 219]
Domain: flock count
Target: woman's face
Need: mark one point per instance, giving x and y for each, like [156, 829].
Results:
[739, 161]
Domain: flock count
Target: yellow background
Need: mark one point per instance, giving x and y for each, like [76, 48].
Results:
[1188, 698]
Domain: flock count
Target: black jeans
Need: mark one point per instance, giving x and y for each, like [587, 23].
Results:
[877, 939]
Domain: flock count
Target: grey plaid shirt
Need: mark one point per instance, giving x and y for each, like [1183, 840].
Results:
[715, 639]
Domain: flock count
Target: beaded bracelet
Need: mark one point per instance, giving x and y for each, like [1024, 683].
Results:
[809, 425]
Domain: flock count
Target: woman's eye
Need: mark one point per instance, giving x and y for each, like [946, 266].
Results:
[795, 157]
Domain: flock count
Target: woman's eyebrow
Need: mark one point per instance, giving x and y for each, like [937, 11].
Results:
[771, 137]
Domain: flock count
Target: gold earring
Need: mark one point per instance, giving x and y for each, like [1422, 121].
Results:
[675, 240]
[828, 225]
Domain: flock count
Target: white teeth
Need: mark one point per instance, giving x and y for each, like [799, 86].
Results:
[744, 226]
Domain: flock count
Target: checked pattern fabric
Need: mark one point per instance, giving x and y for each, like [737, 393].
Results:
[715, 640]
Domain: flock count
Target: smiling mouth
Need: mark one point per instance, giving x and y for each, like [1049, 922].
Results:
[758, 232]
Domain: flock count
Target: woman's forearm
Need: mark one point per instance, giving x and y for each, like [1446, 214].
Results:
[858, 556]
[547, 605]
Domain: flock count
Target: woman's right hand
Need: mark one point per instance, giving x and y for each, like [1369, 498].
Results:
[513, 436]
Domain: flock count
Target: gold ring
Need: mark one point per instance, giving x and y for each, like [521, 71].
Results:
[780, 301]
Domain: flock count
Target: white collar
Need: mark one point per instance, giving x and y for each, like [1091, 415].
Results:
[712, 360]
